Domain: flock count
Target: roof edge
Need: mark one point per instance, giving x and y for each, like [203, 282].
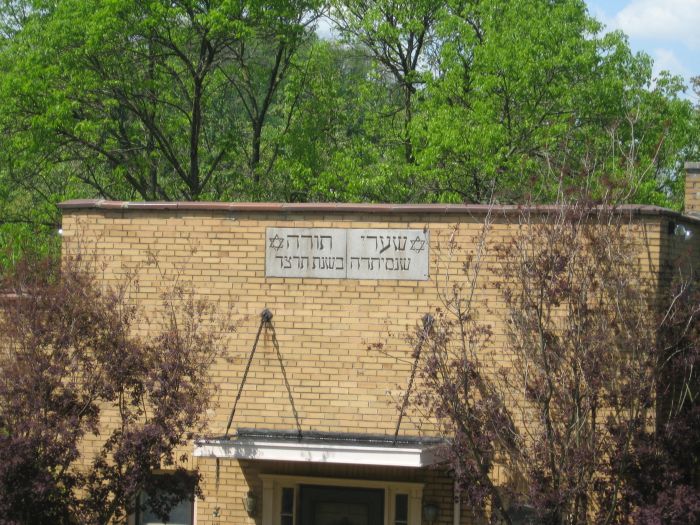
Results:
[333, 207]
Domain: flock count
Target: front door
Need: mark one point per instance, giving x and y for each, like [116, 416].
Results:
[321, 505]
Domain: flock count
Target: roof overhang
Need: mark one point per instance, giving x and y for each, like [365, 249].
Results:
[628, 210]
[357, 449]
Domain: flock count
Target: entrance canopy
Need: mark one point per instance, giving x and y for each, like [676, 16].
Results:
[323, 447]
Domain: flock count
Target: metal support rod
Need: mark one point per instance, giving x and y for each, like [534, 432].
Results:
[428, 321]
[265, 322]
[265, 317]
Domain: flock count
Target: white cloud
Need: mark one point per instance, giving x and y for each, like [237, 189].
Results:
[670, 20]
[602, 16]
[665, 59]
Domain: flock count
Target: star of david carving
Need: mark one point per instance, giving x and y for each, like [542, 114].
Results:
[276, 242]
[417, 244]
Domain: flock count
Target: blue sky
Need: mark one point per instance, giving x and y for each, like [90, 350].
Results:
[668, 30]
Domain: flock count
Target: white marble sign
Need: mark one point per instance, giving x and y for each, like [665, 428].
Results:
[387, 254]
[305, 252]
[342, 253]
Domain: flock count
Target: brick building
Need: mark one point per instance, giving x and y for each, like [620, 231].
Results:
[313, 437]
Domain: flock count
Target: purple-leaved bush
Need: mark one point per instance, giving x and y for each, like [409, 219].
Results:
[585, 409]
[69, 353]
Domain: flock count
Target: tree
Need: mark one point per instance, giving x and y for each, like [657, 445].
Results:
[524, 85]
[663, 471]
[262, 63]
[134, 97]
[339, 145]
[559, 417]
[398, 35]
[68, 356]
[415, 102]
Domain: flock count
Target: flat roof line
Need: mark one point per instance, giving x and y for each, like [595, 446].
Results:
[333, 207]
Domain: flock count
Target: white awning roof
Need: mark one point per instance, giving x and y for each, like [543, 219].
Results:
[317, 447]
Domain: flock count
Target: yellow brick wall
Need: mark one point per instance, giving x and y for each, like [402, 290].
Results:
[692, 188]
[325, 326]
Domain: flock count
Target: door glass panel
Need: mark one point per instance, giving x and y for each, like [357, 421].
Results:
[401, 509]
[287, 500]
[341, 514]
[321, 505]
[287, 515]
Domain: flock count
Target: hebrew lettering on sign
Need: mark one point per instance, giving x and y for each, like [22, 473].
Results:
[388, 254]
[347, 253]
[305, 252]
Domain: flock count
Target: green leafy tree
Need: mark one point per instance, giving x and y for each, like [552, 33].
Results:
[526, 87]
[398, 35]
[446, 101]
[260, 65]
[134, 96]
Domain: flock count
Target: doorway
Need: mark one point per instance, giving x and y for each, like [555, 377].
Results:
[328, 505]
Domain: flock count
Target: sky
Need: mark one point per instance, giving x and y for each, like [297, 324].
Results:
[668, 30]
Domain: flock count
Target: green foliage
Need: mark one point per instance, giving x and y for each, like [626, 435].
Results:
[523, 87]
[22, 241]
[145, 98]
[424, 101]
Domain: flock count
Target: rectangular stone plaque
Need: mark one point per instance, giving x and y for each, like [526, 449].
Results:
[340, 253]
[305, 252]
[387, 254]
